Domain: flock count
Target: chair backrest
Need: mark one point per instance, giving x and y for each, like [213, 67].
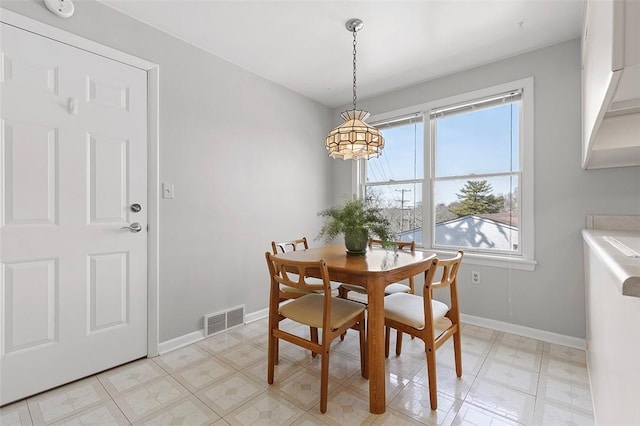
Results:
[448, 278]
[291, 245]
[401, 245]
[294, 273]
[447, 270]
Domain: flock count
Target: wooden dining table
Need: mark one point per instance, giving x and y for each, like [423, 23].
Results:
[374, 271]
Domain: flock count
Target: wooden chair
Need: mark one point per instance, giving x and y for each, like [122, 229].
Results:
[344, 289]
[317, 310]
[292, 245]
[287, 293]
[284, 247]
[417, 316]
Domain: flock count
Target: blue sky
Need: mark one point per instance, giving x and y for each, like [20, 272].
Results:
[473, 142]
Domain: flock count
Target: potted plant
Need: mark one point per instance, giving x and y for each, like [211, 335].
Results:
[357, 220]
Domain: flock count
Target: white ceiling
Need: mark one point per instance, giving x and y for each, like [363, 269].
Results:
[303, 45]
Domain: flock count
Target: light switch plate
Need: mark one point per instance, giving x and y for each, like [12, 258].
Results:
[168, 191]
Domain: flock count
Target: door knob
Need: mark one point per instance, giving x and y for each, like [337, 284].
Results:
[134, 227]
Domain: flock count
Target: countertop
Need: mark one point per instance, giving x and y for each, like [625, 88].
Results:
[626, 269]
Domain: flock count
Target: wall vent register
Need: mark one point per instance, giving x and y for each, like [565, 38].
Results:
[220, 321]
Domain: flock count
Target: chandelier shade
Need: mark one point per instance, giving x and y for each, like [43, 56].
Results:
[354, 138]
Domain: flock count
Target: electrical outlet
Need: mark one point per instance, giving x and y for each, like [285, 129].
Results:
[475, 277]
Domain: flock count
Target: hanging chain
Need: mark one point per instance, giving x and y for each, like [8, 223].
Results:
[355, 96]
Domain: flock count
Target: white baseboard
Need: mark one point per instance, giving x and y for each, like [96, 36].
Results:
[196, 336]
[181, 341]
[532, 333]
[257, 315]
[546, 336]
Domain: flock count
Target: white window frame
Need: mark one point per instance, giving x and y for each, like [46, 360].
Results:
[497, 97]
[525, 260]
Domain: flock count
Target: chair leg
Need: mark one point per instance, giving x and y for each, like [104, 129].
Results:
[387, 332]
[457, 350]
[342, 292]
[324, 381]
[399, 343]
[314, 338]
[363, 350]
[431, 371]
[272, 357]
[276, 352]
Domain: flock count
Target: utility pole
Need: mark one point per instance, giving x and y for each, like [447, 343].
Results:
[402, 207]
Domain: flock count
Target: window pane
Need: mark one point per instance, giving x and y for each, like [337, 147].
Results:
[402, 206]
[402, 156]
[480, 213]
[478, 142]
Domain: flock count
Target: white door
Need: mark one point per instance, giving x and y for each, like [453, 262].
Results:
[73, 158]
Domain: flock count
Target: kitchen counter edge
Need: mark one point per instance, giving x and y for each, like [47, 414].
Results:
[626, 269]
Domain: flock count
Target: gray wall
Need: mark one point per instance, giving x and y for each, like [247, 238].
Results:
[246, 156]
[230, 202]
[552, 297]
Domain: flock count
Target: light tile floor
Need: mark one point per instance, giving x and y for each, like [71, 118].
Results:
[507, 380]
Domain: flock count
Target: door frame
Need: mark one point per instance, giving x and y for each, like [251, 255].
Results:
[153, 176]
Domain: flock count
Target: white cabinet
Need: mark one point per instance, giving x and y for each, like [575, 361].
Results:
[611, 84]
[613, 335]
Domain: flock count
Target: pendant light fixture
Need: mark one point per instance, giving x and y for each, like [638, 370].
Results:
[354, 139]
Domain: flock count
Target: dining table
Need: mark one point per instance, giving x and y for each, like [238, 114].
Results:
[374, 270]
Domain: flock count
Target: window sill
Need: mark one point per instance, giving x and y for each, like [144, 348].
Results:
[496, 261]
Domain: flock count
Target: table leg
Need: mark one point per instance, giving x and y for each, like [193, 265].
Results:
[375, 346]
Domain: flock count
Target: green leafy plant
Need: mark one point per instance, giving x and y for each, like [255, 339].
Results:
[354, 216]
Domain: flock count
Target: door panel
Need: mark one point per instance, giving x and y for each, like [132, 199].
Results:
[31, 192]
[108, 166]
[31, 291]
[108, 291]
[110, 95]
[73, 160]
[30, 75]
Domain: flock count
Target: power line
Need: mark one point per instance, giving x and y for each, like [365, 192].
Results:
[403, 190]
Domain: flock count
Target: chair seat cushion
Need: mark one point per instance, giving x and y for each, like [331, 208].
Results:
[397, 288]
[309, 280]
[296, 290]
[309, 310]
[390, 289]
[334, 286]
[409, 309]
[356, 288]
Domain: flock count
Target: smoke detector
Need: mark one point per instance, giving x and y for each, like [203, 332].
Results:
[62, 8]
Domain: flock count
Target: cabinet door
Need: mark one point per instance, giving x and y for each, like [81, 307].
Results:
[602, 62]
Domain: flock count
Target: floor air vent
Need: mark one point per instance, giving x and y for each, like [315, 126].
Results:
[220, 321]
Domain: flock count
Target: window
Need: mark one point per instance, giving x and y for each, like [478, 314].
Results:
[476, 173]
[395, 179]
[470, 158]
